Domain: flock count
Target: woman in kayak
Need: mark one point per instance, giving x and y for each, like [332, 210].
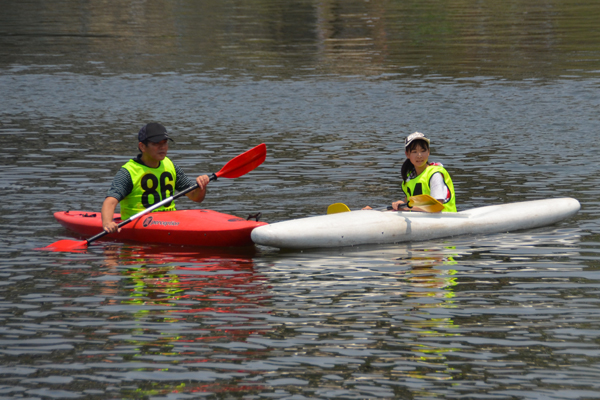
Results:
[148, 179]
[419, 176]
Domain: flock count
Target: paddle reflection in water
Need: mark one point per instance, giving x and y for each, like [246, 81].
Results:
[177, 317]
[429, 282]
[356, 317]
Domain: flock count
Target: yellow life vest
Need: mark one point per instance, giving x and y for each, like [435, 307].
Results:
[420, 185]
[150, 186]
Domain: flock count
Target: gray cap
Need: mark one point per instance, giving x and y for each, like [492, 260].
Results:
[153, 132]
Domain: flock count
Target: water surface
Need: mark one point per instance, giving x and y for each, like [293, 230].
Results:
[508, 92]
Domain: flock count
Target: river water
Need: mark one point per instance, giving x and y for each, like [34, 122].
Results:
[508, 93]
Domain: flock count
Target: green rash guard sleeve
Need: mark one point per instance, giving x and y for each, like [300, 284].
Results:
[121, 185]
[182, 181]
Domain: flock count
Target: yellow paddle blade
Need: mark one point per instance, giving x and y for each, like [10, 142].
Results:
[337, 208]
[426, 203]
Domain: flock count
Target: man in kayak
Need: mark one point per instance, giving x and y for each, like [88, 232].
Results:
[148, 179]
[419, 176]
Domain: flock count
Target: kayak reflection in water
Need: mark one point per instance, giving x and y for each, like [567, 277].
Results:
[419, 176]
[148, 179]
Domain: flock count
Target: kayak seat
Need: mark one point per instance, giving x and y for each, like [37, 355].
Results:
[256, 216]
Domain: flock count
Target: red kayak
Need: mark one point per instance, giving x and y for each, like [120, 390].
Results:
[185, 227]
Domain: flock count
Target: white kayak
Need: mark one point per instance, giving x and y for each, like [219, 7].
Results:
[375, 227]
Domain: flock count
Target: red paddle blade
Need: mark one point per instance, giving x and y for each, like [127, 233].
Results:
[66, 245]
[244, 163]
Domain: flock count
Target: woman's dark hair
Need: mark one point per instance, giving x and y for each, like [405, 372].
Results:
[408, 167]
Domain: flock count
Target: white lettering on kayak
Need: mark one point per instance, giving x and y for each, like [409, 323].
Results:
[149, 221]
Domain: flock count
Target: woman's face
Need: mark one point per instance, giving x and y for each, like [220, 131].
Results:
[418, 156]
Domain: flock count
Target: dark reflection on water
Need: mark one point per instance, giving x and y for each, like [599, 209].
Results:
[508, 94]
[537, 39]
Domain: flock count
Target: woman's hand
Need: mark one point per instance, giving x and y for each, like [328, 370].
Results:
[399, 205]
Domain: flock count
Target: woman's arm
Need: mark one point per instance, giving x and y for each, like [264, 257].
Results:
[399, 205]
[438, 188]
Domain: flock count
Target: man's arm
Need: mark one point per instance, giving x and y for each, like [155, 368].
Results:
[199, 194]
[183, 182]
[121, 186]
[108, 211]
